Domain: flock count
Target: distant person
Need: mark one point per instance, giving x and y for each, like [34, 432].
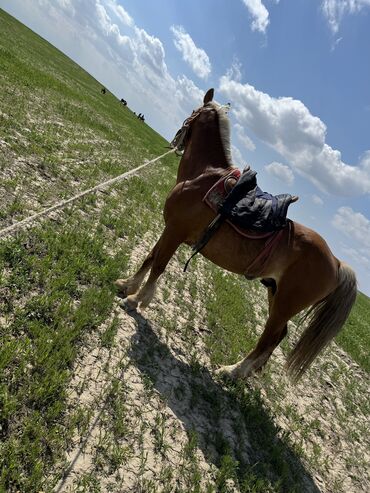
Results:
[103, 90]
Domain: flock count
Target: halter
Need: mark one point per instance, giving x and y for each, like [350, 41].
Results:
[179, 138]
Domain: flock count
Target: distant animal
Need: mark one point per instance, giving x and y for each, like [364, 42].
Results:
[300, 271]
[124, 102]
[103, 90]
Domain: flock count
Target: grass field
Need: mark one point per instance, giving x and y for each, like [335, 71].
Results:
[94, 399]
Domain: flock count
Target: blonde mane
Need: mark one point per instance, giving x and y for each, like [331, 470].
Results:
[224, 124]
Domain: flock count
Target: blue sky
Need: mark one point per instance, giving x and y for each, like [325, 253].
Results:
[296, 72]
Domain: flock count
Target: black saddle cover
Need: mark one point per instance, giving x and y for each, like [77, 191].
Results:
[247, 206]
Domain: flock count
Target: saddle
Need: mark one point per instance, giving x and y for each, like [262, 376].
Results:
[238, 199]
[255, 214]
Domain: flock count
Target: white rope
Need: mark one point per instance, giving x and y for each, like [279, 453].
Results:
[63, 203]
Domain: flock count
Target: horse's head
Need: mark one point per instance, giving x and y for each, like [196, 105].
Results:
[209, 119]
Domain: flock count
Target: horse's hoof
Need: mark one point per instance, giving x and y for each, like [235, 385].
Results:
[130, 303]
[229, 371]
[121, 286]
[144, 304]
[124, 287]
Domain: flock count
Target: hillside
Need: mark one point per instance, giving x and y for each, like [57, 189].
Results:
[95, 399]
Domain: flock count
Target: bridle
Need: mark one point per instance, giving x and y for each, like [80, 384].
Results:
[178, 141]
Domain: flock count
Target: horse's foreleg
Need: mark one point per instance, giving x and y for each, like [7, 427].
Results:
[162, 253]
[133, 283]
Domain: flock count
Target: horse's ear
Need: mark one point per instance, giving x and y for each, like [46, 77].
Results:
[209, 96]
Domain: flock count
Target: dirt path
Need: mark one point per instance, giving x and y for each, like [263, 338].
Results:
[158, 393]
[155, 409]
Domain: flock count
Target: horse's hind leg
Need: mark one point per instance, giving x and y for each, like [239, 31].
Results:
[274, 332]
[271, 290]
[292, 295]
[161, 255]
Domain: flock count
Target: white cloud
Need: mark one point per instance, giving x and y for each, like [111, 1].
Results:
[286, 125]
[365, 160]
[354, 225]
[67, 5]
[243, 137]
[317, 200]
[235, 71]
[335, 10]
[237, 157]
[120, 12]
[150, 54]
[188, 93]
[259, 14]
[280, 171]
[195, 57]
[104, 39]
[336, 43]
[357, 255]
[108, 27]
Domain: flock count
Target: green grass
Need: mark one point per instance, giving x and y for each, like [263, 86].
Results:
[56, 279]
[355, 336]
[231, 318]
[69, 136]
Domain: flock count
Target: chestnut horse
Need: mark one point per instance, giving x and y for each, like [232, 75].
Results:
[301, 271]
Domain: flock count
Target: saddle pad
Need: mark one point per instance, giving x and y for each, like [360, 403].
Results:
[217, 194]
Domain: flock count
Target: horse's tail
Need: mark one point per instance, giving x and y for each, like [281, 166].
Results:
[325, 319]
